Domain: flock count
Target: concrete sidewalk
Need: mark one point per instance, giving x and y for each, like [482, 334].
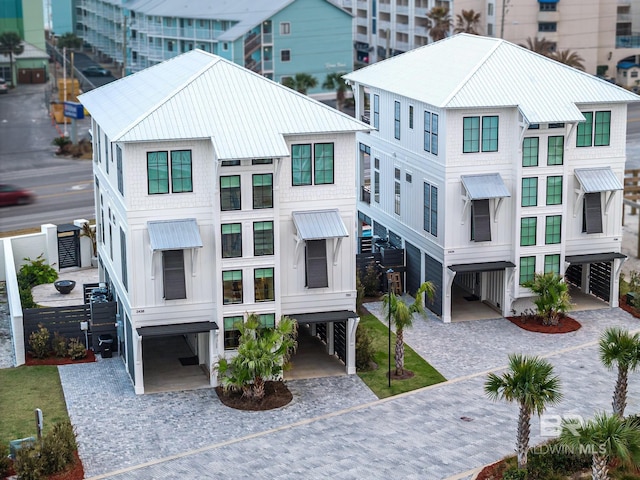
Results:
[335, 428]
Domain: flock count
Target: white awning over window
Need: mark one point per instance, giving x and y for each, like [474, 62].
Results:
[174, 234]
[319, 224]
[601, 179]
[484, 186]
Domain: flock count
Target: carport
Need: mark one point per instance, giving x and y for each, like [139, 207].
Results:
[177, 356]
[335, 330]
[596, 274]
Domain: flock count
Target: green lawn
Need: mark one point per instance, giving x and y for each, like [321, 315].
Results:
[24, 389]
[424, 374]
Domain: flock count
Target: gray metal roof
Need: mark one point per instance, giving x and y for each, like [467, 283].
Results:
[318, 224]
[174, 234]
[471, 71]
[481, 267]
[594, 257]
[600, 179]
[321, 317]
[483, 186]
[198, 95]
[176, 329]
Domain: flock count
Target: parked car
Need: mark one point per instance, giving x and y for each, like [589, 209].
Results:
[4, 86]
[12, 195]
[96, 71]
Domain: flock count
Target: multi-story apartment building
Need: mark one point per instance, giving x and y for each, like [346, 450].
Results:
[277, 40]
[220, 193]
[603, 33]
[492, 167]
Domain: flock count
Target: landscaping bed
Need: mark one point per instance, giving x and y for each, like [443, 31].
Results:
[276, 395]
[534, 323]
[53, 360]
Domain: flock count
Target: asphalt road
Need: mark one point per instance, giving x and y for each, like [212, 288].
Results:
[63, 186]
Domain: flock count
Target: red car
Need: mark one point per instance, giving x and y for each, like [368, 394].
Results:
[12, 195]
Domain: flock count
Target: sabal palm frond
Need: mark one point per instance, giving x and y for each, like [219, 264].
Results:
[467, 22]
[569, 58]
[439, 22]
[620, 348]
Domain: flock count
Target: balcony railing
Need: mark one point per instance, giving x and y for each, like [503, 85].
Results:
[365, 194]
[366, 117]
[628, 41]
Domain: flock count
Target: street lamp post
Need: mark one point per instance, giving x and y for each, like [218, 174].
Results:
[389, 272]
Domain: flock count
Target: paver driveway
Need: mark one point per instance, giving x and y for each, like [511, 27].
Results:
[335, 428]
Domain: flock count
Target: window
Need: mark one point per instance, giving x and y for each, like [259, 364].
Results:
[301, 164]
[181, 171]
[285, 28]
[529, 192]
[480, 221]
[411, 117]
[263, 191]
[230, 193]
[267, 320]
[602, 129]
[471, 135]
[230, 163]
[397, 192]
[530, 152]
[263, 238]
[323, 163]
[555, 151]
[263, 285]
[490, 29]
[231, 240]
[157, 172]
[490, 10]
[527, 269]
[552, 264]
[552, 230]
[376, 111]
[592, 213]
[548, 7]
[554, 190]
[431, 132]
[408, 178]
[262, 161]
[232, 286]
[232, 332]
[173, 274]
[123, 259]
[285, 55]
[316, 264]
[547, 26]
[490, 134]
[119, 169]
[396, 123]
[376, 180]
[585, 131]
[528, 231]
[430, 209]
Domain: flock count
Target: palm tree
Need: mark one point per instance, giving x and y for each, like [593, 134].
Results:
[530, 382]
[539, 45]
[467, 22]
[402, 317]
[440, 23]
[11, 44]
[553, 296]
[569, 58]
[619, 347]
[605, 437]
[334, 81]
[69, 40]
[301, 82]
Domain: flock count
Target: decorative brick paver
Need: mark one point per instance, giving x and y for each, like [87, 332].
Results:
[335, 428]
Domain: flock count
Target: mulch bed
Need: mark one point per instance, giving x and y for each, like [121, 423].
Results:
[276, 395]
[53, 360]
[405, 375]
[534, 324]
[622, 302]
[492, 472]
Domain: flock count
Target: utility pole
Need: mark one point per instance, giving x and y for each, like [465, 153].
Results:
[388, 50]
[504, 12]
[124, 47]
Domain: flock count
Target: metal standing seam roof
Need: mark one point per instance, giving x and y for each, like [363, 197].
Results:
[600, 179]
[481, 267]
[490, 72]
[198, 95]
[319, 224]
[174, 234]
[484, 186]
[320, 317]
[176, 329]
[594, 257]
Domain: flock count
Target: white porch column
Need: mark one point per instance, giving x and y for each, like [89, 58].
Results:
[51, 244]
[614, 286]
[330, 343]
[213, 357]
[352, 326]
[138, 381]
[448, 276]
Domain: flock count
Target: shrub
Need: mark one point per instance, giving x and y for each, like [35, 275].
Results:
[371, 280]
[359, 293]
[39, 342]
[550, 460]
[28, 463]
[364, 349]
[553, 296]
[36, 272]
[76, 349]
[59, 345]
[58, 447]
[5, 464]
[26, 298]
[513, 473]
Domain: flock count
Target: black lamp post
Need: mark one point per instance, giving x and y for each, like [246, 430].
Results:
[389, 272]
